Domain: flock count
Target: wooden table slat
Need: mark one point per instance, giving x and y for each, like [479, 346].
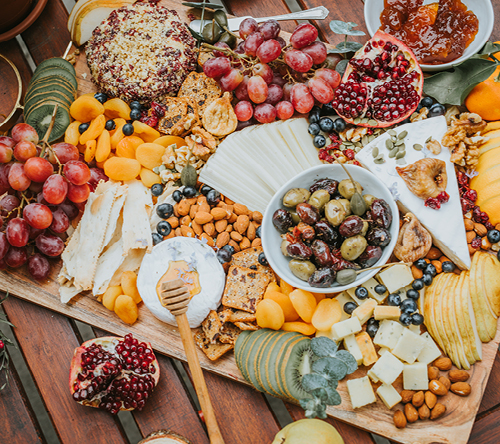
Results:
[486, 430]
[491, 397]
[47, 341]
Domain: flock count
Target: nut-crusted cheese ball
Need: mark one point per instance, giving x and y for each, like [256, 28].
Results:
[141, 52]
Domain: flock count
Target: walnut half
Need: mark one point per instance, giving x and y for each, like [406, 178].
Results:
[414, 241]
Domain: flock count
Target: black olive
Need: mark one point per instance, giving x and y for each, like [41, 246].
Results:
[177, 196]
[164, 210]
[163, 228]
[157, 189]
[282, 220]
[213, 198]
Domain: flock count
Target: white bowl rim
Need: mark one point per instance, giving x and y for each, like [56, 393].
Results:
[325, 170]
[369, 22]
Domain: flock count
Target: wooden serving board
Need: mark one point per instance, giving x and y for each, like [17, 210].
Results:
[453, 428]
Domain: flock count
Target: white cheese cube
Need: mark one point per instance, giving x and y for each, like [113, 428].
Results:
[382, 350]
[367, 349]
[365, 310]
[352, 295]
[370, 285]
[345, 328]
[414, 328]
[389, 395]
[361, 392]
[388, 334]
[430, 352]
[386, 312]
[343, 298]
[396, 277]
[415, 376]
[326, 333]
[352, 347]
[387, 368]
[409, 346]
[372, 376]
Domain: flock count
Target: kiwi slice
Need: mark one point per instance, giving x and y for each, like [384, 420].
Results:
[252, 357]
[56, 72]
[59, 82]
[44, 96]
[294, 367]
[48, 88]
[58, 62]
[40, 117]
[284, 355]
[261, 352]
[243, 337]
[51, 101]
[253, 342]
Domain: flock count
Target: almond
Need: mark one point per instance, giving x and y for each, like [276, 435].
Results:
[237, 237]
[472, 250]
[458, 375]
[443, 364]
[228, 201]
[209, 229]
[480, 229]
[233, 218]
[234, 245]
[469, 225]
[210, 241]
[443, 258]
[218, 213]
[201, 199]
[497, 227]
[220, 225]
[418, 399]
[445, 381]
[256, 242]
[461, 388]
[251, 232]
[411, 413]
[399, 419]
[183, 207]
[437, 388]
[187, 231]
[416, 272]
[204, 207]
[430, 399]
[229, 228]
[191, 200]
[203, 218]
[432, 373]
[407, 396]
[176, 210]
[257, 217]
[241, 224]
[222, 239]
[178, 232]
[186, 220]
[424, 412]
[193, 210]
[470, 236]
[240, 209]
[197, 228]
[433, 253]
[245, 243]
[438, 411]
[173, 221]
[485, 244]
[438, 265]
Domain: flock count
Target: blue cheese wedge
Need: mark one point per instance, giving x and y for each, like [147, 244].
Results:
[450, 236]
[365, 310]
[345, 328]
[430, 352]
[396, 277]
[388, 334]
[361, 392]
[415, 376]
[352, 347]
[389, 395]
[382, 312]
[409, 346]
[387, 368]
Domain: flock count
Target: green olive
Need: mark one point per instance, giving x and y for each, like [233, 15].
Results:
[211, 32]
[346, 188]
[369, 198]
[295, 196]
[228, 38]
[221, 18]
[284, 244]
[335, 212]
[302, 269]
[358, 205]
[352, 247]
[319, 199]
[346, 276]
[347, 206]
[295, 217]
[366, 225]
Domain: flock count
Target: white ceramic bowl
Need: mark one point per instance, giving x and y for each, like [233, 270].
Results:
[271, 237]
[484, 13]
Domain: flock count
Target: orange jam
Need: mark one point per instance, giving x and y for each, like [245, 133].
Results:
[436, 33]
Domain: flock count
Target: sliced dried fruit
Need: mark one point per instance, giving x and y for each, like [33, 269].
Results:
[121, 168]
[86, 108]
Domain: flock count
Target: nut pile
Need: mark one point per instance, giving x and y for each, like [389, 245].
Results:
[424, 405]
[436, 258]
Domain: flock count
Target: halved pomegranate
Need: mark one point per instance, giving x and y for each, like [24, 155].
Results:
[382, 84]
[113, 374]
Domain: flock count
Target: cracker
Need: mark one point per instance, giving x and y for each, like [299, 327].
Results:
[249, 258]
[201, 88]
[242, 316]
[225, 314]
[213, 351]
[246, 326]
[212, 326]
[244, 288]
[229, 334]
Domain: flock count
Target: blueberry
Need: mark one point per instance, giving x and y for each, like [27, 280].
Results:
[135, 114]
[101, 97]
[189, 192]
[229, 248]
[361, 293]
[427, 278]
[494, 236]
[380, 289]
[128, 129]
[223, 256]
[339, 125]
[394, 299]
[157, 189]
[319, 141]
[405, 319]
[205, 189]
[448, 266]
[110, 125]
[413, 294]
[177, 196]
[418, 284]
[498, 255]
[408, 306]
[372, 321]
[164, 228]
[372, 330]
[326, 124]
[135, 105]
[262, 259]
[313, 129]
[349, 307]
[421, 264]
[164, 210]
[258, 231]
[213, 198]
[437, 110]
[417, 319]
[314, 114]
[427, 102]
[83, 127]
[156, 238]
[327, 110]
[430, 269]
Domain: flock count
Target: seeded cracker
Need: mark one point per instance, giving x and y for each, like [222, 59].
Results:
[180, 116]
[211, 327]
[213, 351]
[249, 258]
[242, 316]
[229, 334]
[201, 88]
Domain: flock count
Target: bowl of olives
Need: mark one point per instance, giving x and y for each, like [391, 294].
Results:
[322, 229]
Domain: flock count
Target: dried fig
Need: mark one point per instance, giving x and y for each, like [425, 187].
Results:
[219, 118]
[414, 241]
[425, 178]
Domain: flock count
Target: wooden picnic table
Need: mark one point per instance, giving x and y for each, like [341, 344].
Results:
[47, 339]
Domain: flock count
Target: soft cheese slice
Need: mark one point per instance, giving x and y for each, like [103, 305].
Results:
[361, 392]
[415, 376]
[408, 346]
[449, 237]
[299, 128]
[136, 231]
[430, 352]
[389, 395]
[388, 334]
[387, 368]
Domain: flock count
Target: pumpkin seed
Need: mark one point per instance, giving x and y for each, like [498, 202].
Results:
[357, 120]
[348, 143]
[400, 155]
[402, 134]
[417, 147]
[365, 120]
[428, 139]
[392, 132]
[402, 147]
[399, 142]
[358, 144]
[364, 140]
[379, 159]
[371, 138]
[342, 147]
[401, 161]
[389, 144]
[375, 152]
[358, 148]
[372, 122]
[393, 153]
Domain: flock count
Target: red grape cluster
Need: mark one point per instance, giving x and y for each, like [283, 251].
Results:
[269, 78]
[41, 195]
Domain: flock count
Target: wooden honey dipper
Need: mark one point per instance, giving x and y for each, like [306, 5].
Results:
[175, 296]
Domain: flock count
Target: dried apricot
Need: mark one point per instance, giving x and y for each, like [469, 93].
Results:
[269, 314]
[121, 168]
[114, 108]
[129, 285]
[126, 309]
[149, 178]
[103, 147]
[110, 295]
[304, 303]
[319, 296]
[72, 135]
[94, 130]
[145, 132]
[299, 327]
[127, 146]
[101, 164]
[286, 288]
[90, 149]
[117, 133]
[327, 313]
[273, 286]
[170, 140]
[86, 108]
[286, 305]
[149, 154]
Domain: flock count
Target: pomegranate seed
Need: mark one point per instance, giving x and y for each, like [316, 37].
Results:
[476, 243]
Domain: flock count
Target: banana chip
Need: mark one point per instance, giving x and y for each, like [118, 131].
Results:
[219, 118]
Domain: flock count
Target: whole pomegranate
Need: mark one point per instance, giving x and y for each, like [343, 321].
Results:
[382, 84]
[113, 374]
